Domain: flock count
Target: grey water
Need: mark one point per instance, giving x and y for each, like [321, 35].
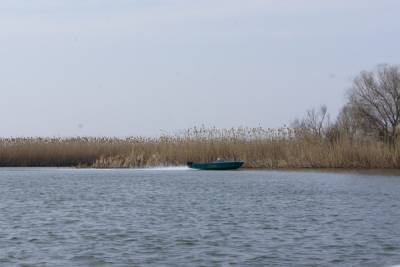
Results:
[179, 217]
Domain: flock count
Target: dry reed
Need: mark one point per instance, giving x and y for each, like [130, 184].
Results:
[258, 147]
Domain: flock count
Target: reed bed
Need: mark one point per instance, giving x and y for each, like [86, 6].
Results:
[258, 147]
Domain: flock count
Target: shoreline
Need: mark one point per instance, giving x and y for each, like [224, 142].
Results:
[367, 171]
[265, 149]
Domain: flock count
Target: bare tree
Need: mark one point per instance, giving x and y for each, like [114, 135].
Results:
[348, 122]
[315, 121]
[375, 100]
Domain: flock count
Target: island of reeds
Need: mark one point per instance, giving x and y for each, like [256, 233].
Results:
[364, 135]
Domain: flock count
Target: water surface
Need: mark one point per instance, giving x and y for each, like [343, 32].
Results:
[180, 217]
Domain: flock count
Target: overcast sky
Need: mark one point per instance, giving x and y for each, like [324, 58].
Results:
[120, 68]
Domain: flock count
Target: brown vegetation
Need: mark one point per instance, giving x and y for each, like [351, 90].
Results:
[365, 135]
[259, 148]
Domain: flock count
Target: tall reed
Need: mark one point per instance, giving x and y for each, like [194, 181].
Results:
[258, 147]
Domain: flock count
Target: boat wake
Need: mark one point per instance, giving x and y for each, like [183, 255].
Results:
[167, 168]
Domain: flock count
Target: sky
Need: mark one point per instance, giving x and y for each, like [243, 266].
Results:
[130, 67]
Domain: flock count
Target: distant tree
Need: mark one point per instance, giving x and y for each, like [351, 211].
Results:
[374, 102]
[348, 122]
[315, 121]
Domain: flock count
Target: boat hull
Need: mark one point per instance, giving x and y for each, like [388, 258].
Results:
[216, 166]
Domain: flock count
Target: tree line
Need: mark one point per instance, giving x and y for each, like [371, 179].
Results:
[372, 109]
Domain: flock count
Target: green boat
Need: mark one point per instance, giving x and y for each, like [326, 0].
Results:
[219, 165]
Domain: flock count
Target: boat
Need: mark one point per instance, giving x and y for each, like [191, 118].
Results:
[218, 165]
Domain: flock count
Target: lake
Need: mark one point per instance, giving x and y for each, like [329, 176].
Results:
[181, 217]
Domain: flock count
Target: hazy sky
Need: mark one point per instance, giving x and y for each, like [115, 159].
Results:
[119, 67]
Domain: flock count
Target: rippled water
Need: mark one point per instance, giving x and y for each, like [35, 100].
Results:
[179, 217]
